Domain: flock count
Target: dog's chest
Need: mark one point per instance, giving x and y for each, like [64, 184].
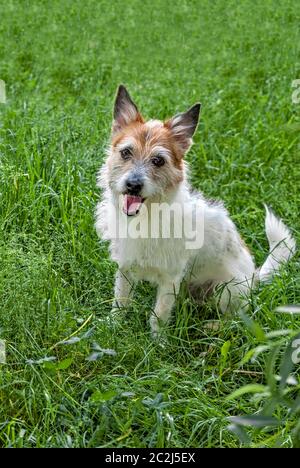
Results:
[148, 259]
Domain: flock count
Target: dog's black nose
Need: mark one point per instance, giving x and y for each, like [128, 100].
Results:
[134, 185]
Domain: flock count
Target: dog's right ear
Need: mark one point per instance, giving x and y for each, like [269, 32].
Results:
[125, 110]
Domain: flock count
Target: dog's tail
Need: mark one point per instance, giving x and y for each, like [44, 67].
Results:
[282, 246]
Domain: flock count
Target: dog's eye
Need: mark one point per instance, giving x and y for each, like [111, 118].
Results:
[158, 161]
[126, 153]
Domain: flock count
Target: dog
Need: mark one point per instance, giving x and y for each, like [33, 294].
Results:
[145, 167]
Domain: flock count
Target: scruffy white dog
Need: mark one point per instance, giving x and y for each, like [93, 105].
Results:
[145, 169]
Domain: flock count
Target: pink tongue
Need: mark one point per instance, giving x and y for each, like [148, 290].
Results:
[132, 204]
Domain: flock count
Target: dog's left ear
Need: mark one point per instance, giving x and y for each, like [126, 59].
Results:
[183, 126]
[125, 110]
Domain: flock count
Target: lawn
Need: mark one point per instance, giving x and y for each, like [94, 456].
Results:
[77, 376]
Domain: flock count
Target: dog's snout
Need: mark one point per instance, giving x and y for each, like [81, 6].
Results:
[134, 185]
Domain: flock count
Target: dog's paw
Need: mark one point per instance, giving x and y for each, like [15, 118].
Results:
[158, 332]
[116, 313]
[120, 304]
[155, 328]
[214, 325]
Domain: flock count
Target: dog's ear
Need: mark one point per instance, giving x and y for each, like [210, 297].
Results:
[125, 110]
[183, 126]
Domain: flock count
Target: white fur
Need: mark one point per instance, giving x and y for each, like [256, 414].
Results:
[282, 245]
[223, 260]
[154, 123]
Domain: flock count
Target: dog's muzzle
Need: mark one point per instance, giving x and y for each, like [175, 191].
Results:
[132, 198]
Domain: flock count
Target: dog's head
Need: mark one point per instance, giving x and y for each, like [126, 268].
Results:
[146, 157]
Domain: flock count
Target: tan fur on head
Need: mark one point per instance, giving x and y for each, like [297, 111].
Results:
[146, 141]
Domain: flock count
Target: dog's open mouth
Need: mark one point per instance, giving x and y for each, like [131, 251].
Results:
[132, 204]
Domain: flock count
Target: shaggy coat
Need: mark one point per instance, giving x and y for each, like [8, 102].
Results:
[145, 167]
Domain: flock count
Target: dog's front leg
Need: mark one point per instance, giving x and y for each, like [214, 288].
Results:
[123, 289]
[166, 295]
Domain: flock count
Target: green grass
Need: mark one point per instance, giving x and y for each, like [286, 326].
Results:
[62, 61]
